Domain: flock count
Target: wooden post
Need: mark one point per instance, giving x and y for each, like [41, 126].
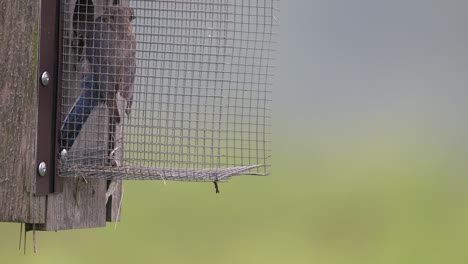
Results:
[81, 204]
[19, 31]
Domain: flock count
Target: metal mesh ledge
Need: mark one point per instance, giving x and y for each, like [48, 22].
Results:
[145, 173]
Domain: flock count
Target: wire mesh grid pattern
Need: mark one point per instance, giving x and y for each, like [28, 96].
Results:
[168, 90]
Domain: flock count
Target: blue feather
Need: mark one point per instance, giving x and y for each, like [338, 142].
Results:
[80, 112]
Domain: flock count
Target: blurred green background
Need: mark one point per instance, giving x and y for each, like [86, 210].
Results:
[369, 161]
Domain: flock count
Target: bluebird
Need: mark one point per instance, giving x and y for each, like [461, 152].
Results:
[110, 49]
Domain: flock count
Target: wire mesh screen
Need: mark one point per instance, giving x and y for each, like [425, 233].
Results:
[170, 90]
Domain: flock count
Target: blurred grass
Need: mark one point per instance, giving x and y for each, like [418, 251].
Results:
[384, 196]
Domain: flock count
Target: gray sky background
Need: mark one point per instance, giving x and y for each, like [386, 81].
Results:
[364, 63]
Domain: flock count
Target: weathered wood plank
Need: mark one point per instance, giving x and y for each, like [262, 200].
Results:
[19, 27]
[80, 205]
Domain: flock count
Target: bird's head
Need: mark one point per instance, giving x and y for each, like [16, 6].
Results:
[120, 16]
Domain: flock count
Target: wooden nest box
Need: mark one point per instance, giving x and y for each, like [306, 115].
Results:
[99, 91]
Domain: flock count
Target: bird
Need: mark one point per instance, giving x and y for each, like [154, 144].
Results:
[110, 49]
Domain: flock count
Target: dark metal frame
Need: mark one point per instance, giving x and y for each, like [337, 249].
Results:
[48, 96]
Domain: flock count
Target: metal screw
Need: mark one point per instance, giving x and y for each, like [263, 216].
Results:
[63, 153]
[42, 169]
[45, 78]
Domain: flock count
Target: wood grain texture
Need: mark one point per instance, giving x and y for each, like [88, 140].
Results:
[19, 26]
